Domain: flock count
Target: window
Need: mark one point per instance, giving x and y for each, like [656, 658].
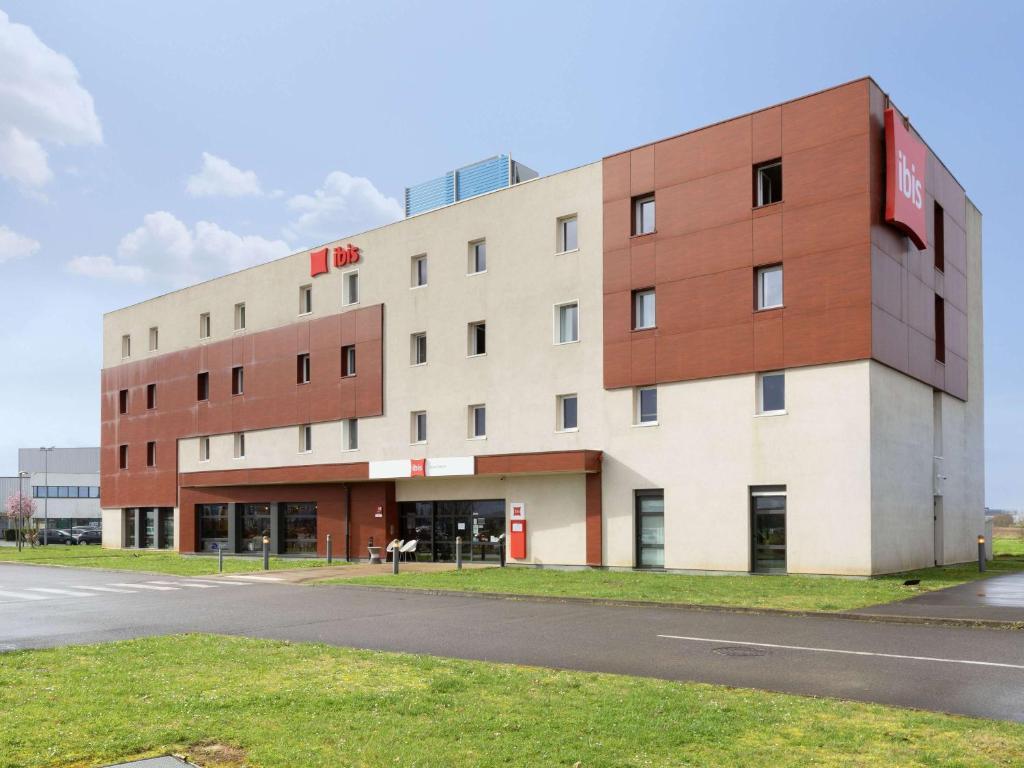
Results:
[240, 316]
[769, 287]
[350, 287]
[650, 529]
[302, 369]
[477, 339]
[567, 416]
[419, 426]
[203, 386]
[768, 529]
[350, 434]
[305, 299]
[940, 239]
[477, 421]
[122, 401]
[567, 323]
[771, 393]
[768, 183]
[122, 456]
[940, 329]
[419, 270]
[477, 257]
[151, 454]
[204, 449]
[237, 380]
[348, 360]
[646, 406]
[643, 214]
[204, 325]
[154, 339]
[126, 346]
[240, 445]
[305, 438]
[643, 309]
[150, 396]
[567, 234]
[418, 349]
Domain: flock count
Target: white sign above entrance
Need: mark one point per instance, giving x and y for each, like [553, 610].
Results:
[450, 466]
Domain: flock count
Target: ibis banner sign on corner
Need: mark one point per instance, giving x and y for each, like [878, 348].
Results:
[906, 158]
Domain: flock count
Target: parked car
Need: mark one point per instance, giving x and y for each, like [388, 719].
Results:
[55, 536]
[87, 535]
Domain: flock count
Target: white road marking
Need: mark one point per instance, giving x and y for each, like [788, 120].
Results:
[256, 578]
[184, 584]
[850, 653]
[106, 589]
[61, 592]
[223, 583]
[137, 585]
[20, 596]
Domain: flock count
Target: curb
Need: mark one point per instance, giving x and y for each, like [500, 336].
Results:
[882, 618]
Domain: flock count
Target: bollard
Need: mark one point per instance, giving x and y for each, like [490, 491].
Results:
[266, 553]
[501, 550]
[394, 559]
[330, 550]
[981, 554]
[220, 559]
[458, 553]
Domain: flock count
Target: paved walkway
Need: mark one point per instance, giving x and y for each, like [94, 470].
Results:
[1000, 598]
[302, 575]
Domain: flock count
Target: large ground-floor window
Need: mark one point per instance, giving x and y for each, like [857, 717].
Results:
[768, 529]
[148, 528]
[650, 529]
[130, 520]
[299, 524]
[213, 527]
[254, 522]
[436, 524]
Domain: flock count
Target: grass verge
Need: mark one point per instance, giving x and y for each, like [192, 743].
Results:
[806, 593]
[233, 702]
[142, 560]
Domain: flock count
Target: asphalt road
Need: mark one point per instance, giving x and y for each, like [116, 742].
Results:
[966, 671]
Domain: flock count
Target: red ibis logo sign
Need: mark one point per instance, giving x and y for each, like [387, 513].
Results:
[905, 181]
[343, 256]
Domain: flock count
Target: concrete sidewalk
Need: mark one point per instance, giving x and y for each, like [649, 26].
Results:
[304, 575]
[999, 598]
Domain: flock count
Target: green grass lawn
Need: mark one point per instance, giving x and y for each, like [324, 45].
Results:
[233, 702]
[1008, 547]
[809, 593]
[142, 560]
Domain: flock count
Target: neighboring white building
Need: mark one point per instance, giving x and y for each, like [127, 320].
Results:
[64, 484]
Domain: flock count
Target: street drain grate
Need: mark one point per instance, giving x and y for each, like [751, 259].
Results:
[739, 651]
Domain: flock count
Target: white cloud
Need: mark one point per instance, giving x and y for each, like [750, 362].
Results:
[41, 101]
[342, 206]
[165, 250]
[218, 177]
[15, 246]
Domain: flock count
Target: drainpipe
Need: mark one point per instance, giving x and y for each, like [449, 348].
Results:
[348, 518]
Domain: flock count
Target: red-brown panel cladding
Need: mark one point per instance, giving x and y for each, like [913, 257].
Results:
[594, 519]
[331, 501]
[272, 397]
[709, 238]
[542, 462]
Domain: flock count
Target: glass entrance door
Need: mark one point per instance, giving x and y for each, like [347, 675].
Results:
[436, 524]
[650, 529]
[299, 524]
[768, 529]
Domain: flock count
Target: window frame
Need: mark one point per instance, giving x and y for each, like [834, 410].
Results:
[126, 346]
[761, 376]
[759, 169]
[558, 340]
[237, 380]
[473, 425]
[560, 401]
[939, 237]
[204, 448]
[305, 438]
[639, 221]
[122, 402]
[636, 303]
[205, 326]
[414, 428]
[347, 278]
[560, 234]
[349, 428]
[154, 338]
[415, 278]
[239, 445]
[240, 316]
[203, 387]
[151, 397]
[414, 348]
[759, 275]
[472, 341]
[150, 454]
[122, 460]
[303, 368]
[472, 266]
[638, 420]
[305, 299]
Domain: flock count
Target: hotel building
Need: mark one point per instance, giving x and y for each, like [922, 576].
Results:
[752, 347]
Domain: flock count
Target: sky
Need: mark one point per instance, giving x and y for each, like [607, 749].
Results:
[148, 145]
